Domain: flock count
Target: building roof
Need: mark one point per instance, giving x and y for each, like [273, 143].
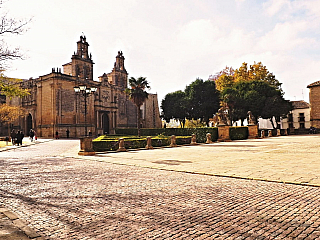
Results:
[314, 84]
[300, 104]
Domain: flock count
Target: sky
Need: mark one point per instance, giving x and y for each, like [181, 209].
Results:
[172, 43]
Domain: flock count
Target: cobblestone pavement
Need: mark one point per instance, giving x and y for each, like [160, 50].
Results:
[67, 198]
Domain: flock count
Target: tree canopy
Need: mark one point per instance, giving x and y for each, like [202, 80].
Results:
[174, 106]
[228, 76]
[10, 113]
[259, 97]
[200, 100]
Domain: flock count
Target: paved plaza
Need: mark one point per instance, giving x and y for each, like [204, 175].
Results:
[154, 194]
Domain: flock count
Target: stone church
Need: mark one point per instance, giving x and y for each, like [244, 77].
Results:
[54, 106]
[314, 98]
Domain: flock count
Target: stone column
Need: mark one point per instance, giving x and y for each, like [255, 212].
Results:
[86, 147]
[253, 131]
[149, 143]
[223, 132]
[121, 146]
[209, 138]
[173, 141]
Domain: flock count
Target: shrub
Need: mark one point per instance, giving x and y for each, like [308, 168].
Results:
[200, 132]
[238, 133]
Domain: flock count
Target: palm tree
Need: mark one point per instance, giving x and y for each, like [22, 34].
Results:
[138, 95]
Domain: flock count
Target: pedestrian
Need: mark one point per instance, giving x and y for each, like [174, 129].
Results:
[31, 135]
[35, 135]
[7, 140]
[57, 135]
[19, 137]
[68, 132]
[90, 133]
[13, 137]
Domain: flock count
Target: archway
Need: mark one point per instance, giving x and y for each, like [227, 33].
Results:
[105, 123]
[29, 124]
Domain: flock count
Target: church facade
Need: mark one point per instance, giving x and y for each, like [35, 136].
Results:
[53, 106]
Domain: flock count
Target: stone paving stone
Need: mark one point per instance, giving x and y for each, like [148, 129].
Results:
[67, 198]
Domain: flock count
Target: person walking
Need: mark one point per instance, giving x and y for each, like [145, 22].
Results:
[19, 137]
[31, 135]
[68, 132]
[13, 137]
[57, 135]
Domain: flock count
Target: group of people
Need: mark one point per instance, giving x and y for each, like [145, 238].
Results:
[17, 137]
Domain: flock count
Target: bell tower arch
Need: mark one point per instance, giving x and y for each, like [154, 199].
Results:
[81, 64]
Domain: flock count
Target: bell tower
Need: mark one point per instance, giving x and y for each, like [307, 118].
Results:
[119, 74]
[81, 64]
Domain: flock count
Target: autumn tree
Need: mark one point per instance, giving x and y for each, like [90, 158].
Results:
[9, 114]
[258, 72]
[11, 87]
[224, 78]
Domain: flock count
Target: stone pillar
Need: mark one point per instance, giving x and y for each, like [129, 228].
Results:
[223, 132]
[121, 146]
[149, 143]
[253, 131]
[193, 140]
[86, 147]
[209, 138]
[173, 141]
[263, 134]
[270, 133]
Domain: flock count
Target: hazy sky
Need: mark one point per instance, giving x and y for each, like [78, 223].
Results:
[172, 42]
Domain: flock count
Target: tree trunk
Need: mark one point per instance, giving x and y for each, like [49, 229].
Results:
[138, 120]
[271, 120]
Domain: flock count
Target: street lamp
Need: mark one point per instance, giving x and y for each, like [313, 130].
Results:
[85, 91]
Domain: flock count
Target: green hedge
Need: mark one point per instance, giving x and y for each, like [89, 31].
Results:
[163, 137]
[200, 132]
[238, 133]
[109, 143]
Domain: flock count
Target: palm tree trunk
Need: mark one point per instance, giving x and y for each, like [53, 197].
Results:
[138, 120]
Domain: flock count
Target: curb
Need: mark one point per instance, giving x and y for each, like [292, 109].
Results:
[20, 224]
[25, 145]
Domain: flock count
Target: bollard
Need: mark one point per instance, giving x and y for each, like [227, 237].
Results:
[173, 141]
[86, 148]
[149, 143]
[121, 146]
[270, 133]
[209, 138]
[262, 134]
[278, 132]
[285, 132]
[193, 140]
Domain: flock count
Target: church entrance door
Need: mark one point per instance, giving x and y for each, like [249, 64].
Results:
[29, 124]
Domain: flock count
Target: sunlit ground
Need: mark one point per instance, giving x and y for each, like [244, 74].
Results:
[4, 143]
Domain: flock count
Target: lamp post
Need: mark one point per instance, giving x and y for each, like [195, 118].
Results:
[85, 91]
